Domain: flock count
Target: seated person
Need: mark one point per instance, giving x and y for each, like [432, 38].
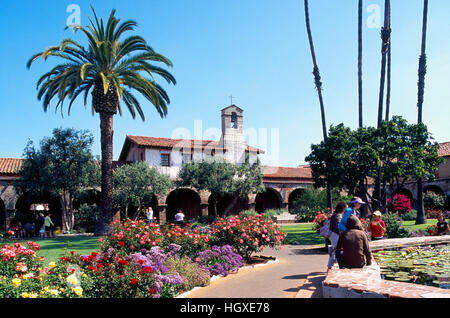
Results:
[442, 225]
[352, 250]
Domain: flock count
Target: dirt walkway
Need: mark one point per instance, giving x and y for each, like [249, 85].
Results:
[279, 280]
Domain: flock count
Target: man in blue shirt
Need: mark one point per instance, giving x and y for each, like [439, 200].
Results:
[355, 204]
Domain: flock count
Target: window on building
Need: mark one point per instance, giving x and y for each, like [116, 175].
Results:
[165, 160]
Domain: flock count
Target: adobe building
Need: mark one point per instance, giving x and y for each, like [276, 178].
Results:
[283, 184]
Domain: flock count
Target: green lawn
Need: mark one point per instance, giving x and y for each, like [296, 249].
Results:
[53, 248]
[305, 235]
[411, 225]
[302, 233]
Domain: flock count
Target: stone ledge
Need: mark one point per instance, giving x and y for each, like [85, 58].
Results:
[410, 241]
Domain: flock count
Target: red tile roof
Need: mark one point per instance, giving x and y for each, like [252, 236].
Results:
[444, 149]
[169, 143]
[286, 172]
[10, 166]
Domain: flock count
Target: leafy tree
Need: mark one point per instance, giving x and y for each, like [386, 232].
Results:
[63, 165]
[111, 68]
[221, 178]
[135, 184]
[401, 152]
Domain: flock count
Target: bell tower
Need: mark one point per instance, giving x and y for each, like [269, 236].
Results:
[233, 139]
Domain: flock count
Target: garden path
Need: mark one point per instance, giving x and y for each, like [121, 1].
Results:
[298, 266]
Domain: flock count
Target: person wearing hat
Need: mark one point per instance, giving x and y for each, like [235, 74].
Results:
[377, 227]
[355, 204]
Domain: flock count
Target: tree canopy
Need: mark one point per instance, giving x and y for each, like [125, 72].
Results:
[62, 165]
[136, 184]
[404, 152]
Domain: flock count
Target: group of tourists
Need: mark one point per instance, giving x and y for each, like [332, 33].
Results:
[43, 226]
[349, 241]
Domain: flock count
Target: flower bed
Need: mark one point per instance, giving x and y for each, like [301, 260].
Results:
[138, 260]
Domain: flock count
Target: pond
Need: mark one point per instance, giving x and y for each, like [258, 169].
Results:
[426, 265]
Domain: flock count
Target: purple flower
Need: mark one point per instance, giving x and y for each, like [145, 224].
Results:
[220, 260]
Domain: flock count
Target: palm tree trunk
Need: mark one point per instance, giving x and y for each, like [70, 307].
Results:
[421, 217]
[106, 129]
[385, 37]
[360, 50]
[318, 83]
[389, 60]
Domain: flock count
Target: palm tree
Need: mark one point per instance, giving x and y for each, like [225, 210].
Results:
[318, 83]
[421, 217]
[389, 62]
[385, 37]
[360, 49]
[111, 69]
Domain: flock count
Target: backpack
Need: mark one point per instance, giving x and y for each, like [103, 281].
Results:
[325, 230]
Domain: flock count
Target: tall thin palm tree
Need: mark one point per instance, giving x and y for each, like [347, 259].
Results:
[389, 73]
[421, 217]
[318, 83]
[360, 53]
[385, 39]
[111, 69]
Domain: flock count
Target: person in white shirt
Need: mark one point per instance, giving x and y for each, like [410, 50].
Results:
[179, 218]
[149, 215]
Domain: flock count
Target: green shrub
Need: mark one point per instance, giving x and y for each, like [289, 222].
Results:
[269, 214]
[409, 216]
[313, 200]
[190, 272]
[247, 213]
[86, 217]
[394, 226]
[433, 201]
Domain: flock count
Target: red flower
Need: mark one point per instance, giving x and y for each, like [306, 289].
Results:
[72, 252]
[121, 243]
[151, 291]
[133, 281]
[140, 262]
[147, 269]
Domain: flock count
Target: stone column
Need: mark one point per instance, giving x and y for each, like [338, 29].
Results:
[162, 214]
[204, 207]
[285, 206]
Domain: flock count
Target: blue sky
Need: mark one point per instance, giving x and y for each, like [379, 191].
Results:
[256, 50]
